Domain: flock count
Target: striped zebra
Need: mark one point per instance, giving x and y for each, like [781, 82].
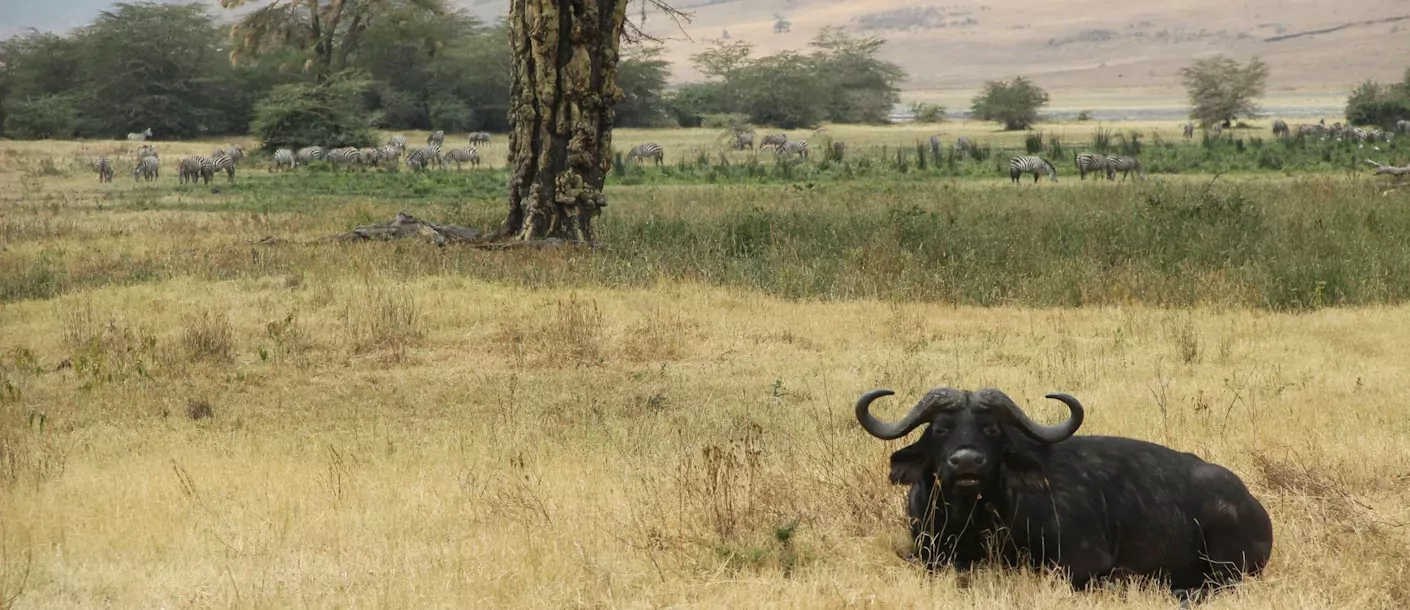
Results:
[1402, 126]
[743, 140]
[964, 144]
[437, 137]
[344, 157]
[1091, 163]
[196, 167]
[1125, 165]
[146, 150]
[398, 141]
[370, 157]
[1189, 131]
[223, 162]
[310, 153]
[478, 137]
[284, 158]
[1308, 129]
[141, 136]
[1280, 129]
[418, 159]
[104, 169]
[464, 155]
[147, 169]
[389, 155]
[1031, 165]
[795, 147]
[776, 140]
[649, 150]
[935, 143]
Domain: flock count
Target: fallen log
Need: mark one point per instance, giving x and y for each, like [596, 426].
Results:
[406, 226]
[1389, 170]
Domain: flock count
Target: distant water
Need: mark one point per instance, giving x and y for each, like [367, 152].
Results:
[1159, 114]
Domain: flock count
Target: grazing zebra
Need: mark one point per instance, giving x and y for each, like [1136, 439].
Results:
[225, 163]
[370, 157]
[1031, 165]
[389, 154]
[1402, 126]
[104, 169]
[647, 151]
[1091, 163]
[935, 143]
[418, 159]
[196, 167]
[437, 137]
[147, 169]
[776, 140]
[398, 141]
[146, 150]
[344, 157]
[1125, 165]
[1189, 130]
[743, 140]
[284, 158]
[1280, 129]
[140, 137]
[839, 150]
[795, 147]
[464, 155]
[479, 137]
[1308, 129]
[310, 153]
[964, 144]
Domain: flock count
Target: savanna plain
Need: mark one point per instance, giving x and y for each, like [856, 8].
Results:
[192, 415]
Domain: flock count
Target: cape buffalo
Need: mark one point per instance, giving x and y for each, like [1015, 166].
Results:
[987, 481]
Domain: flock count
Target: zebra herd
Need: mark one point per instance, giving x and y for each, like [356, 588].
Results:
[1092, 163]
[388, 156]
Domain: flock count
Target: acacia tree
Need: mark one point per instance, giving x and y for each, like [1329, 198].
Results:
[564, 85]
[1221, 90]
[1014, 103]
[328, 32]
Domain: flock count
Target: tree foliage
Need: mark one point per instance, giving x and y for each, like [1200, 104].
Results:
[1222, 90]
[1014, 103]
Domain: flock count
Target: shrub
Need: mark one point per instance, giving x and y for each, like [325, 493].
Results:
[328, 114]
[1014, 103]
[926, 112]
[51, 116]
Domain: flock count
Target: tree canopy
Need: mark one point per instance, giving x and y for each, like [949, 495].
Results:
[1222, 90]
[1014, 103]
[1381, 104]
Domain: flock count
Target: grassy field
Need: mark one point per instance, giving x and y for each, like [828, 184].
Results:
[190, 418]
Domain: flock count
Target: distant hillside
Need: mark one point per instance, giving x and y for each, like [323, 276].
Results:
[1122, 53]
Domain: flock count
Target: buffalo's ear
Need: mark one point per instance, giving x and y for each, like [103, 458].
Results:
[1022, 460]
[910, 465]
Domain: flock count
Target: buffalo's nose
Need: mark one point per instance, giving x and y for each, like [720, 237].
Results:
[967, 459]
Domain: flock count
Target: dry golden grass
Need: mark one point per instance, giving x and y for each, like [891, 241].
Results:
[348, 436]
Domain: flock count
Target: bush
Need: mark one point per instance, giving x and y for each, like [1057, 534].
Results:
[1084, 116]
[51, 116]
[1373, 103]
[1014, 103]
[926, 112]
[328, 114]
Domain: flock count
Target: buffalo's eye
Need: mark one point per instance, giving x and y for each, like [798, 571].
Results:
[992, 430]
[939, 429]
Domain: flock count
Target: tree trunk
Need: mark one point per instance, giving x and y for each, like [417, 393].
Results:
[560, 113]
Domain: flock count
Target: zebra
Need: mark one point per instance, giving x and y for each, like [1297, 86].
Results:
[650, 150]
[389, 154]
[743, 140]
[147, 169]
[1189, 130]
[464, 155]
[1402, 126]
[370, 157]
[479, 137]
[1031, 165]
[1308, 129]
[1091, 163]
[346, 157]
[1125, 165]
[1280, 129]
[935, 143]
[196, 167]
[284, 158]
[418, 159]
[776, 140]
[437, 137]
[146, 150]
[1215, 131]
[398, 141]
[795, 147]
[141, 136]
[223, 162]
[310, 153]
[104, 169]
[964, 144]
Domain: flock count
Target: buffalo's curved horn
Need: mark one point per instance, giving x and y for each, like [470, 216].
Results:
[1046, 434]
[919, 414]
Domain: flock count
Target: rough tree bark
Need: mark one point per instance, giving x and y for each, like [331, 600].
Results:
[560, 111]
